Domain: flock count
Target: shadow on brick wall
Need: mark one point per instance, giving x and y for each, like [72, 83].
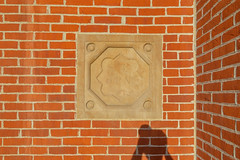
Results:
[152, 143]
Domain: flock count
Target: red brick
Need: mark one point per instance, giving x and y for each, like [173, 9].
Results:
[213, 151]
[152, 11]
[92, 150]
[19, 36]
[231, 85]
[224, 97]
[32, 97]
[8, 115]
[46, 124]
[68, 71]
[232, 137]
[237, 17]
[62, 62]
[17, 124]
[212, 87]
[212, 129]
[18, 158]
[224, 50]
[231, 111]
[18, 106]
[9, 133]
[222, 27]
[106, 141]
[47, 157]
[180, 46]
[123, 29]
[65, 28]
[170, 90]
[180, 81]
[77, 141]
[180, 98]
[170, 107]
[211, 24]
[108, 20]
[17, 54]
[187, 124]
[49, 36]
[171, 72]
[79, 157]
[8, 44]
[232, 33]
[35, 133]
[152, 29]
[94, 132]
[212, 65]
[179, 64]
[94, 28]
[33, 45]
[62, 45]
[209, 6]
[214, 108]
[180, 132]
[18, 18]
[170, 38]
[33, 62]
[62, 150]
[63, 10]
[8, 97]
[204, 96]
[230, 60]
[65, 132]
[47, 18]
[222, 145]
[48, 106]
[189, 89]
[224, 74]
[46, 88]
[108, 2]
[105, 124]
[63, 115]
[69, 89]
[17, 141]
[32, 115]
[139, 3]
[186, 2]
[33, 9]
[32, 80]
[63, 97]
[9, 9]
[164, 3]
[54, 2]
[46, 141]
[230, 9]
[139, 20]
[164, 124]
[121, 150]
[225, 122]
[9, 27]
[93, 10]
[61, 80]
[220, 5]
[8, 150]
[123, 132]
[168, 20]
[186, 38]
[186, 72]
[17, 71]
[76, 124]
[77, 19]
[179, 11]
[35, 27]
[8, 62]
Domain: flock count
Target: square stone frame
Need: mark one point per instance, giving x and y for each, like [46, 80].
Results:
[90, 106]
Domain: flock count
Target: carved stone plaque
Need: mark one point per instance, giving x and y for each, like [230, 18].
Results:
[119, 77]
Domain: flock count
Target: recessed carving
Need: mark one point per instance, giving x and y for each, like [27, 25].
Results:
[90, 47]
[148, 47]
[90, 105]
[118, 78]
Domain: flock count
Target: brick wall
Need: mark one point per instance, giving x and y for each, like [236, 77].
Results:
[38, 75]
[218, 79]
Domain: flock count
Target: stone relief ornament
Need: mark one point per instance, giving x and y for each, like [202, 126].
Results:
[119, 77]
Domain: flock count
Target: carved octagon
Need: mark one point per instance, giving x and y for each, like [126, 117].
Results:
[119, 76]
